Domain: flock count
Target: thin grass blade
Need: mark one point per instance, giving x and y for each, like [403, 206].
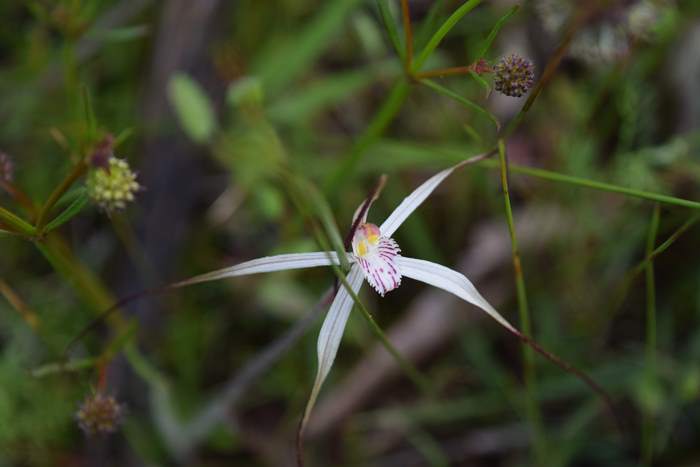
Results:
[440, 34]
[496, 29]
[390, 25]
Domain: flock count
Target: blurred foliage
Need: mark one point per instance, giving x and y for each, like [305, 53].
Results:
[218, 105]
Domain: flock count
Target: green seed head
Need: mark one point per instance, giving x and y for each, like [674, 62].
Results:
[113, 186]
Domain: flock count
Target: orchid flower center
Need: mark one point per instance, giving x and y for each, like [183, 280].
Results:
[376, 256]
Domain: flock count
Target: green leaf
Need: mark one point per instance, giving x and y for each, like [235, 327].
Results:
[192, 107]
[20, 225]
[484, 84]
[430, 23]
[462, 100]
[390, 25]
[116, 35]
[123, 136]
[327, 92]
[90, 120]
[290, 57]
[246, 90]
[71, 211]
[494, 32]
[442, 32]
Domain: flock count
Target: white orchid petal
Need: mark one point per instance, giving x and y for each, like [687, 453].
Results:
[269, 264]
[452, 281]
[412, 201]
[331, 333]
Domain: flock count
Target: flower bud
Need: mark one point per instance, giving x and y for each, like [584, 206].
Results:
[515, 75]
[99, 414]
[113, 186]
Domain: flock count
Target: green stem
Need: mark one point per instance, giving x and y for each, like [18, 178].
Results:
[17, 223]
[78, 170]
[648, 420]
[524, 314]
[595, 185]
[442, 32]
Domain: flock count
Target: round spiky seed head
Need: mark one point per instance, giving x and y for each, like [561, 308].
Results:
[99, 414]
[515, 75]
[113, 186]
[7, 168]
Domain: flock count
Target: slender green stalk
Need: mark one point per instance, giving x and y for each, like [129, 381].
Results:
[524, 314]
[595, 185]
[17, 223]
[647, 417]
[390, 108]
[440, 34]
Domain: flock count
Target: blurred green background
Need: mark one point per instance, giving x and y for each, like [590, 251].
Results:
[219, 104]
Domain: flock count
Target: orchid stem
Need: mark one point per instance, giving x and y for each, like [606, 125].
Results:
[523, 311]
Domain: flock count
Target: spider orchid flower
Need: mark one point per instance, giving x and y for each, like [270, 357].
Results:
[376, 258]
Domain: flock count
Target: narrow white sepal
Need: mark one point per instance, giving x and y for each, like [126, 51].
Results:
[412, 201]
[269, 264]
[331, 334]
[452, 281]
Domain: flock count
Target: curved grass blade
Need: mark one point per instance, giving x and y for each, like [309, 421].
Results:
[496, 29]
[440, 34]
